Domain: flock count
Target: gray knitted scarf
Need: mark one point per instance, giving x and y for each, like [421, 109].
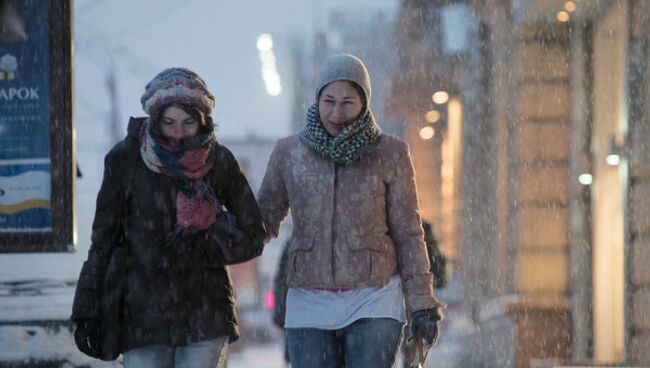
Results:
[357, 140]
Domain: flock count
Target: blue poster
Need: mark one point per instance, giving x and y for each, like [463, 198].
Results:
[25, 165]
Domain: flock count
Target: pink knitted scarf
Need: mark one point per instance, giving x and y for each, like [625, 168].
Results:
[196, 205]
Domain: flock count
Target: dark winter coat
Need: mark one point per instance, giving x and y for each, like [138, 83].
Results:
[161, 307]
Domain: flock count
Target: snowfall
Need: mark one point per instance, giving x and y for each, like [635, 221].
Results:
[36, 292]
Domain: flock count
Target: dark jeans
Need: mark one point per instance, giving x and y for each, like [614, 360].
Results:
[368, 342]
[202, 354]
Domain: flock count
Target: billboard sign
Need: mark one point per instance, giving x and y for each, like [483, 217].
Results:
[35, 126]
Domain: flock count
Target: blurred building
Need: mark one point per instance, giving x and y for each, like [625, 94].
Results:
[537, 174]
[366, 32]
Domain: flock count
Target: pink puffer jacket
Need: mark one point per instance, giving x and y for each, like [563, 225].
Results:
[354, 225]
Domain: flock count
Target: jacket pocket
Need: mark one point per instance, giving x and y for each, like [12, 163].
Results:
[301, 257]
[369, 258]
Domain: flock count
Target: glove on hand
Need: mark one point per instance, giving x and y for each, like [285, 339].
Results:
[87, 336]
[425, 323]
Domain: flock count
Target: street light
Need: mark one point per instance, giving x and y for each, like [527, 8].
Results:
[264, 42]
[270, 73]
[585, 179]
[427, 133]
[432, 116]
[570, 6]
[613, 158]
[562, 16]
[440, 97]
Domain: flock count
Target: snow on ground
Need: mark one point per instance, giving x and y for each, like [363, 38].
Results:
[35, 343]
[40, 300]
[36, 292]
[258, 355]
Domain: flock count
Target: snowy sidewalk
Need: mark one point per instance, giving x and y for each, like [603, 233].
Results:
[257, 355]
[37, 344]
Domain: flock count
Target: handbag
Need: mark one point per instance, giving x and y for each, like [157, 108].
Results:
[106, 342]
[100, 337]
[112, 305]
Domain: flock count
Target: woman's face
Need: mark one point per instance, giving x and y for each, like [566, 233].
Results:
[176, 124]
[339, 105]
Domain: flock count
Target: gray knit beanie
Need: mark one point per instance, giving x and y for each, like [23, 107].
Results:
[344, 67]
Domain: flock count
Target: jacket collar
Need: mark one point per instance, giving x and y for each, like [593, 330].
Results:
[135, 125]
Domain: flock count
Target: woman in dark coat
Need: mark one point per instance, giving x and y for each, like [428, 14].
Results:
[177, 202]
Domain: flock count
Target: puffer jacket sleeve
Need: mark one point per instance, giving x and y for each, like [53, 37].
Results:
[240, 201]
[273, 198]
[405, 227]
[106, 232]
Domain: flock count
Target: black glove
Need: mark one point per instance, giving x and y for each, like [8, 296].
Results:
[426, 323]
[87, 336]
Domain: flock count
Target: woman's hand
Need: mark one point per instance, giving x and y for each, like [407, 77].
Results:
[426, 323]
[87, 336]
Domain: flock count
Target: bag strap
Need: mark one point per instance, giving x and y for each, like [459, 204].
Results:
[130, 140]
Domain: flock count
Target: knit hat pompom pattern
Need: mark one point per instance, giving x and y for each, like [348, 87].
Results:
[176, 85]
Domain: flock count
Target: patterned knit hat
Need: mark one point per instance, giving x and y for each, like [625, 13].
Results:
[176, 85]
[344, 67]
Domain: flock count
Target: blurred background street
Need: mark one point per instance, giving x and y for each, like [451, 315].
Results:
[528, 126]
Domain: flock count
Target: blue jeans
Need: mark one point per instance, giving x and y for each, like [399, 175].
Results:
[368, 342]
[202, 354]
